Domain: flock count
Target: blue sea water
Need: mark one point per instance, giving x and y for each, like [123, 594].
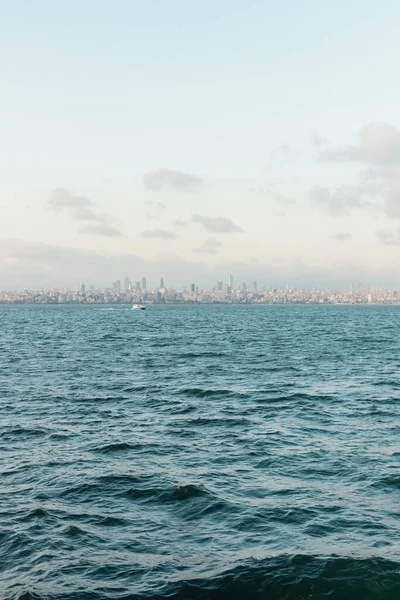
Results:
[200, 452]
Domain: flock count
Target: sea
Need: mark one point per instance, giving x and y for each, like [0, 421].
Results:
[200, 452]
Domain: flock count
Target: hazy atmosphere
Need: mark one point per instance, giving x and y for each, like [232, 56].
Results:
[189, 140]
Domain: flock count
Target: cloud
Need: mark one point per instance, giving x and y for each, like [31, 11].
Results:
[87, 214]
[212, 224]
[341, 200]
[281, 198]
[210, 246]
[378, 144]
[101, 229]
[155, 209]
[61, 198]
[182, 222]
[390, 238]
[217, 224]
[157, 205]
[40, 266]
[318, 140]
[284, 152]
[82, 209]
[161, 234]
[168, 178]
[271, 193]
[342, 237]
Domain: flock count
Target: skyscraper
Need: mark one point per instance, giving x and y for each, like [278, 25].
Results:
[193, 287]
[230, 282]
[117, 286]
[82, 288]
[162, 286]
[127, 284]
[144, 284]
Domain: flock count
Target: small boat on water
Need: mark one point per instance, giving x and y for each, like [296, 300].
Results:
[138, 307]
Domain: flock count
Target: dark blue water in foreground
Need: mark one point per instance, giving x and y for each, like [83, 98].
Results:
[200, 452]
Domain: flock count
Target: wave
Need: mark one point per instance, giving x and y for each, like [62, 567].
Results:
[26, 432]
[294, 577]
[390, 482]
[209, 393]
[117, 447]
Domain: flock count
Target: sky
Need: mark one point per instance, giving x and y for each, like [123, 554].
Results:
[193, 139]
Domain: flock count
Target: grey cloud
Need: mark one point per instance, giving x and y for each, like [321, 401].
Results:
[182, 222]
[87, 214]
[271, 193]
[281, 198]
[156, 208]
[62, 198]
[217, 224]
[379, 144]
[36, 266]
[210, 246]
[83, 209]
[342, 237]
[162, 234]
[169, 178]
[284, 152]
[318, 140]
[390, 238]
[100, 229]
[340, 200]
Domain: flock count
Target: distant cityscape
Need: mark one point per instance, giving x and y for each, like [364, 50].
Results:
[127, 292]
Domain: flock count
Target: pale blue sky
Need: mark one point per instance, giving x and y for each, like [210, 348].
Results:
[94, 95]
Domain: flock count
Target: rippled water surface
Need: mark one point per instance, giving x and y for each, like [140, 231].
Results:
[200, 452]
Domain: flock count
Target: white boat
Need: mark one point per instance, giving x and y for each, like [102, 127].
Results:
[138, 307]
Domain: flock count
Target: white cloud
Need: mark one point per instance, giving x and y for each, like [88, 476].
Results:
[379, 144]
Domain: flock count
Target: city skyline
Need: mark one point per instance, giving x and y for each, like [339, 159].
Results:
[127, 291]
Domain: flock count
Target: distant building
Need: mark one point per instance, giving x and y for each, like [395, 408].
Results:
[193, 288]
[230, 281]
[127, 284]
[144, 284]
[255, 289]
[117, 286]
[137, 286]
[162, 286]
[82, 288]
